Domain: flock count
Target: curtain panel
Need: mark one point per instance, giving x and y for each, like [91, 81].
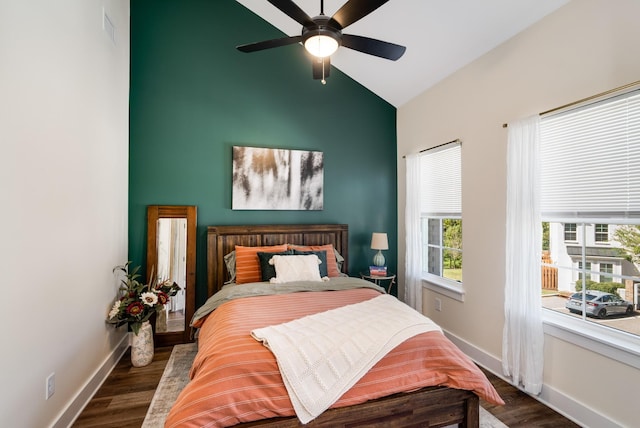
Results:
[413, 235]
[523, 337]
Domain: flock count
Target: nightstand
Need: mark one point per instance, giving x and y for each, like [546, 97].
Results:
[379, 280]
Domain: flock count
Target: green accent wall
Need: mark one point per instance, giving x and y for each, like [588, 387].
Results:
[194, 96]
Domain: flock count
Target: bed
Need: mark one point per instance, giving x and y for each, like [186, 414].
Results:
[378, 398]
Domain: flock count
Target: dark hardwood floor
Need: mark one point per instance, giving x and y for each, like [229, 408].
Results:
[522, 411]
[124, 398]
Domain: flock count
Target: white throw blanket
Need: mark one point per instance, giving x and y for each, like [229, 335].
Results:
[321, 356]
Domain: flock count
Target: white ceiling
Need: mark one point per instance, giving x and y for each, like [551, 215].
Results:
[441, 37]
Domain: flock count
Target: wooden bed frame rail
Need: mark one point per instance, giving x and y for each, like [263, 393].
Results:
[431, 407]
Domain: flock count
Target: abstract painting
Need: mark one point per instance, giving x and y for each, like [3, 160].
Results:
[277, 179]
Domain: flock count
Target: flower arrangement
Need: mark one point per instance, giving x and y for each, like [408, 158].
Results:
[138, 301]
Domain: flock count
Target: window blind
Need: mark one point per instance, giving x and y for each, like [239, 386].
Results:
[590, 161]
[441, 181]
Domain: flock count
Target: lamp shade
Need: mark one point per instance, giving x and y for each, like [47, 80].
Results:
[379, 241]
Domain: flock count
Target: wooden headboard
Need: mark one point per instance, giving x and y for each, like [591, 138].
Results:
[221, 240]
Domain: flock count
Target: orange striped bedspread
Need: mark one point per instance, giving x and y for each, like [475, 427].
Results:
[235, 379]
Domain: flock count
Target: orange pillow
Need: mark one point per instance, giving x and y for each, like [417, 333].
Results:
[332, 264]
[248, 264]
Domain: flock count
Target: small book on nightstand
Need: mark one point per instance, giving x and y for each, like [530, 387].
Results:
[378, 270]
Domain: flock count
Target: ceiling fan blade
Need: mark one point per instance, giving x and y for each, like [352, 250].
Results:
[353, 10]
[373, 47]
[316, 66]
[268, 44]
[292, 10]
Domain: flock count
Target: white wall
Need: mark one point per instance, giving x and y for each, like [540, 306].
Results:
[584, 48]
[64, 89]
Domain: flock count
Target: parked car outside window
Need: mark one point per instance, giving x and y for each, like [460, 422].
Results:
[599, 304]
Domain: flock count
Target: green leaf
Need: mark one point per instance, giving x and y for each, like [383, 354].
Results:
[135, 327]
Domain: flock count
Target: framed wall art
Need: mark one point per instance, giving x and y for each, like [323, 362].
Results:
[277, 179]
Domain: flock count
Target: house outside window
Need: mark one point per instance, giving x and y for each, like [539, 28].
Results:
[567, 256]
[441, 214]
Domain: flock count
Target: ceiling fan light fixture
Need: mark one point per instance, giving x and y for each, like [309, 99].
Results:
[321, 45]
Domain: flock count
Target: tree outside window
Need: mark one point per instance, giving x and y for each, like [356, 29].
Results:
[629, 238]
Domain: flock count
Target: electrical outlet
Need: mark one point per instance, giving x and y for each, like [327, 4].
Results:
[438, 304]
[50, 386]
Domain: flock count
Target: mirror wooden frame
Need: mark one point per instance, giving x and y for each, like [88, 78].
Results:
[154, 213]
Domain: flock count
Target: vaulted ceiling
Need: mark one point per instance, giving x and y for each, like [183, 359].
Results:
[441, 37]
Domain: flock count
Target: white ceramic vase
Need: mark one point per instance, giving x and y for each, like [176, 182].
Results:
[142, 346]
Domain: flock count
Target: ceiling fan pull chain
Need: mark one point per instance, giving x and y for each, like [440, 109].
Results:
[324, 82]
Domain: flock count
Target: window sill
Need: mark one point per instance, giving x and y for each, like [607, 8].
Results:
[446, 287]
[615, 344]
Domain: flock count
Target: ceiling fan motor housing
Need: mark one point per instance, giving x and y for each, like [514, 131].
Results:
[321, 27]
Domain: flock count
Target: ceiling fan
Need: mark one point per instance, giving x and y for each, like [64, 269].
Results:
[322, 35]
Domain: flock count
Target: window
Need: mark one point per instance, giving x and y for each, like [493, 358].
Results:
[444, 247]
[602, 233]
[589, 202]
[582, 271]
[441, 213]
[570, 232]
[606, 272]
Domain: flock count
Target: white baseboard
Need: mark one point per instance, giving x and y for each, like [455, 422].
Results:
[91, 386]
[549, 396]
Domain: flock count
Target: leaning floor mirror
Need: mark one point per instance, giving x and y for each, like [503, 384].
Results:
[171, 256]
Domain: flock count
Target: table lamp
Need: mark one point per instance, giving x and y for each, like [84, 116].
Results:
[379, 242]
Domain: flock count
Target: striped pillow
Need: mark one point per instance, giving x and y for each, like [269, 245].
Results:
[248, 264]
[332, 264]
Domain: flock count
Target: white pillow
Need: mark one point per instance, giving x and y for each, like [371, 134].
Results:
[296, 268]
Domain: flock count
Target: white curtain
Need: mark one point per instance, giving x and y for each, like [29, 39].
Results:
[413, 235]
[523, 338]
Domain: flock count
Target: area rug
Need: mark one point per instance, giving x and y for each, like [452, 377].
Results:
[176, 376]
